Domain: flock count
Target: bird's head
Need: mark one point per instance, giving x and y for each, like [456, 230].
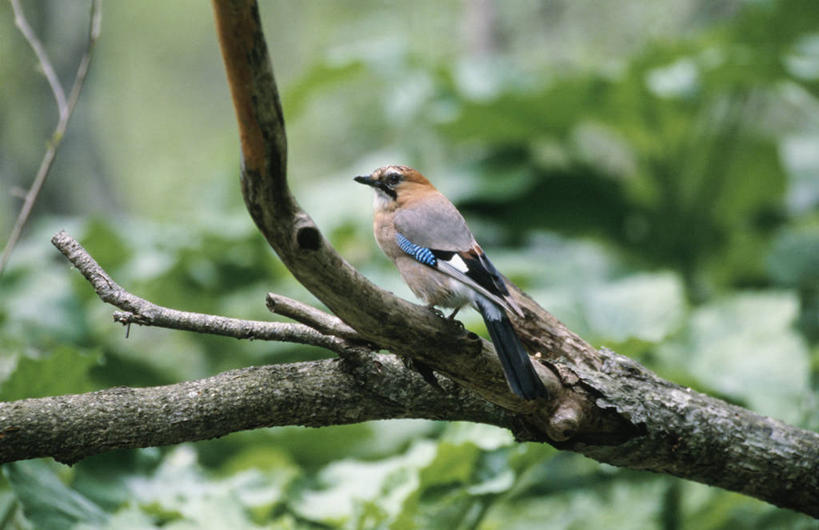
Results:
[395, 185]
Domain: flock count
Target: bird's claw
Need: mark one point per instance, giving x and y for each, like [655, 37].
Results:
[435, 311]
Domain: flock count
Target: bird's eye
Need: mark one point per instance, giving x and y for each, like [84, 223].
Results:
[393, 179]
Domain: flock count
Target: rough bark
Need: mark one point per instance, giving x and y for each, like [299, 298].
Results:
[315, 394]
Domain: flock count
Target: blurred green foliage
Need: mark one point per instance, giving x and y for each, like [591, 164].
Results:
[648, 171]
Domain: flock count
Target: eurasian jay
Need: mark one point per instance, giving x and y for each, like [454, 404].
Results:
[428, 240]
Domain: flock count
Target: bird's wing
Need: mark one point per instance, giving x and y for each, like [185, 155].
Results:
[434, 223]
[474, 268]
[437, 236]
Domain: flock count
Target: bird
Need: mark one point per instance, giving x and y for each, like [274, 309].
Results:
[428, 240]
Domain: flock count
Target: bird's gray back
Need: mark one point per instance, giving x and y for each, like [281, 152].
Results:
[434, 223]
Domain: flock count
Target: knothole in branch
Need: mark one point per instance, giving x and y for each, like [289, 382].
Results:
[308, 238]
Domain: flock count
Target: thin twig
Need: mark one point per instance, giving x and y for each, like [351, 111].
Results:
[65, 108]
[306, 314]
[137, 310]
[25, 28]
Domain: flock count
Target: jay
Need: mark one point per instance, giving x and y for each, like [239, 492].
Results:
[428, 240]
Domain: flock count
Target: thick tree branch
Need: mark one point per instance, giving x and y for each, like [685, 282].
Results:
[330, 392]
[604, 405]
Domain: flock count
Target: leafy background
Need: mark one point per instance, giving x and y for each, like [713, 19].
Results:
[648, 171]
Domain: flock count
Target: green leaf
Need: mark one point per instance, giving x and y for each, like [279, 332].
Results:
[621, 505]
[744, 346]
[63, 372]
[131, 517]
[452, 486]
[46, 501]
[345, 487]
[794, 258]
[642, 306]
[485, 437]
[109, 248]
[452, 464]
[318, 79]
[180, 495]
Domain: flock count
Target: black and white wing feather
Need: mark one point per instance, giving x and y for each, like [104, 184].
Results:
[470, 268]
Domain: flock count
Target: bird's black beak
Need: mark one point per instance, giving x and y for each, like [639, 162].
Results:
[366, 179]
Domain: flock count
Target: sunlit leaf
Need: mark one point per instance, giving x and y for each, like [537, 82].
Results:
[761, 361]
[646, 307]
[65, 371]
[46, 501]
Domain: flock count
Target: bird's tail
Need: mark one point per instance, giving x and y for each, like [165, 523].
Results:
[517, 367]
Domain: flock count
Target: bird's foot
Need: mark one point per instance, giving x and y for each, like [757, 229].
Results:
[437, 312]
[450, 318]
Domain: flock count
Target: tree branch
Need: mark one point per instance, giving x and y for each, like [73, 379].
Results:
[330, 392]
[140, 311]
[326, 323]
[64, 108]
[39, 50]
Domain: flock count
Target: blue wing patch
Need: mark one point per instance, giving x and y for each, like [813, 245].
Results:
[421, 254]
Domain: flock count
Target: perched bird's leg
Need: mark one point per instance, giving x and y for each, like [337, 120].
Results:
[451, 318]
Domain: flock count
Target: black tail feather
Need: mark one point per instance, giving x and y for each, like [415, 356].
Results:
[520, 374]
